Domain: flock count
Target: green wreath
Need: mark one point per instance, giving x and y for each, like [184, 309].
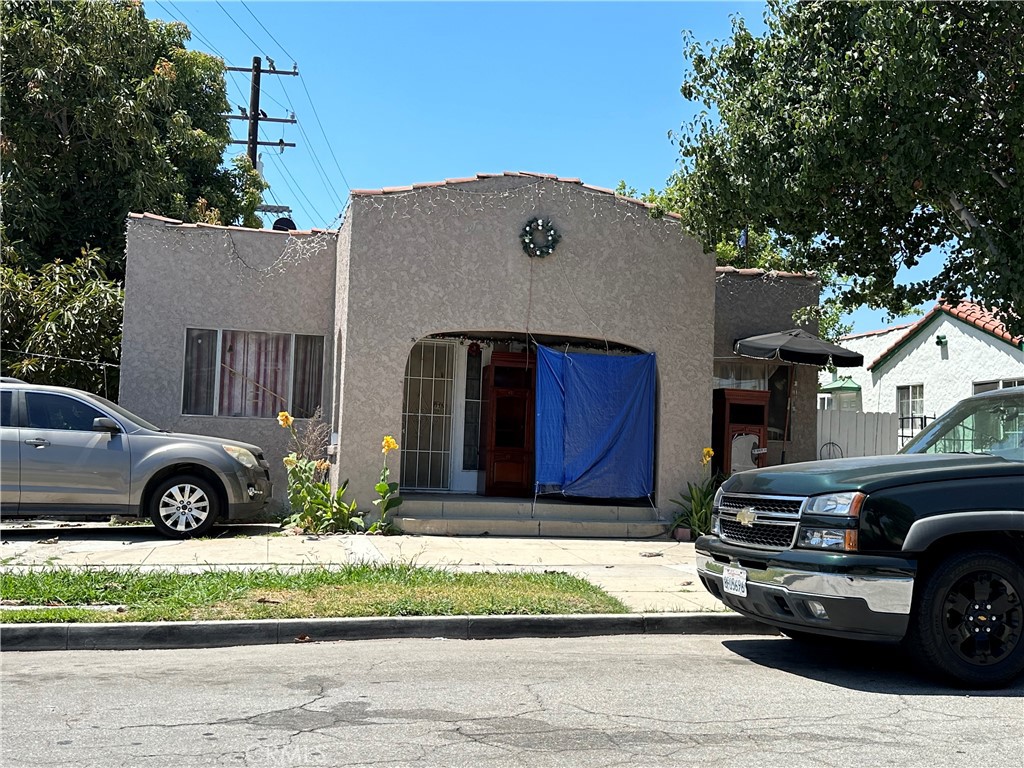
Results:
[539, 238]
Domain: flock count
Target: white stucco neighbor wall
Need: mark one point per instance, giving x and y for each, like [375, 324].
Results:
[948, 373]
[448, 258]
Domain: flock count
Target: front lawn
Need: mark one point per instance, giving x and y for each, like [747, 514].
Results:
[72, 595]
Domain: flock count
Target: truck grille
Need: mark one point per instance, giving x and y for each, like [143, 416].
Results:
[775, 520]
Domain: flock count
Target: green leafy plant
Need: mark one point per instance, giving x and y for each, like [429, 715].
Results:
[389, 498]
[315, 508]
[697, 500]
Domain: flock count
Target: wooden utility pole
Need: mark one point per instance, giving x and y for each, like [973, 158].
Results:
[254, 115]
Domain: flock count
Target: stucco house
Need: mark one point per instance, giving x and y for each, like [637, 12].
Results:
[920, 369]
[449, 314]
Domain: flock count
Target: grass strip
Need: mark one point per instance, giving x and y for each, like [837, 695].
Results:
[391, 589]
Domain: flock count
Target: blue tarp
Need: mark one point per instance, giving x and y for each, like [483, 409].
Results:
[595, 424]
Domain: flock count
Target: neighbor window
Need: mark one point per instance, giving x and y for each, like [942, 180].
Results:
[910, 409]
[252, 373]
[988, 386]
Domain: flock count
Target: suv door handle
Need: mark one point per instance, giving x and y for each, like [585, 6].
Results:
[38, 442]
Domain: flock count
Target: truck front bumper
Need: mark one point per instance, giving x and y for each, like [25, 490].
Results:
[854, 596]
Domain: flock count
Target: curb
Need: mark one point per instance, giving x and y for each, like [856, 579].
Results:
[219, 634]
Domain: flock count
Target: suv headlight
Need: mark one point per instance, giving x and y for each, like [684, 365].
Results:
[242, 455]
[845, 507]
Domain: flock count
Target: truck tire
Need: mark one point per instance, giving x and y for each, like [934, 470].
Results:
[968, 623]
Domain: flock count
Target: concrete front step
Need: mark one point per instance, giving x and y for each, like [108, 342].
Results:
[523, 526]
[487, 508]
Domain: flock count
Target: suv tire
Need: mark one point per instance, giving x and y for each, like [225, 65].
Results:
[968, 624]
[184, 507]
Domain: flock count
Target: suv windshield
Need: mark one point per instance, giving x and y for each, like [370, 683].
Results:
[992, 424]
[126, 414]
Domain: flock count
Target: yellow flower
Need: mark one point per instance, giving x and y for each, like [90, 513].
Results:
[388, 444]
[290, 460]
[323, 465]
[285, 419]
[705, 457]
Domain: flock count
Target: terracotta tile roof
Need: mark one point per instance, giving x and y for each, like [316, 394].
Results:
[967, 312]
[514, 174]
[981, 318]
[751, 272]
[179, 223]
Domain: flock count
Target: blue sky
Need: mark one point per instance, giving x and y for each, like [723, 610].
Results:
[396, 93]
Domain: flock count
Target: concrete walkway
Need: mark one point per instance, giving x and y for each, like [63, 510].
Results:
[656, 575]
[656, 580]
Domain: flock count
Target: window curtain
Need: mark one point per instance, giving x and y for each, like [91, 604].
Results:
[200, 372]
[309, 374]
[255, 372]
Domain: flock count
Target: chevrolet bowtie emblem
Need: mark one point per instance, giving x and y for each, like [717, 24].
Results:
[746, 516]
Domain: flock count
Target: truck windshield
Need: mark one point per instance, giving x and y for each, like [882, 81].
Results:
[992, 424]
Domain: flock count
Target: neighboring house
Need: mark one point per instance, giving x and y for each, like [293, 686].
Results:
[920, 369]
[422, 318]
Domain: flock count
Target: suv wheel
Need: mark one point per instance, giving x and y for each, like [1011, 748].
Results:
[969, 622]
[183, 507]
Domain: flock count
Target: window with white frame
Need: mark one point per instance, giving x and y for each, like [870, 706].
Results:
[910, 409]
[251, 373]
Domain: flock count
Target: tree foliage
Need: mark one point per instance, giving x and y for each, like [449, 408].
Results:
[863, 136]
[64, 306]
[106, 112]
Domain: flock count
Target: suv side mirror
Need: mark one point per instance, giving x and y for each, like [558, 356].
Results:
[103, 424]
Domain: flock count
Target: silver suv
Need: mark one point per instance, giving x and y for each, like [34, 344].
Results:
[69, 453]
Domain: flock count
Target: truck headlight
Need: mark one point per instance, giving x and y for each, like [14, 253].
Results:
[242, 455]
[842, 539]
[846, 504]
[842, 506]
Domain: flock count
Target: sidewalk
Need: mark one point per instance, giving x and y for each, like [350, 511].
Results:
[656, 579]
[655, 575]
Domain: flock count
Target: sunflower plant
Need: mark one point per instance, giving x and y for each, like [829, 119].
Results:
[314, 507]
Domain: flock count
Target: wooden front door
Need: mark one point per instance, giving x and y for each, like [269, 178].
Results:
[507, 424]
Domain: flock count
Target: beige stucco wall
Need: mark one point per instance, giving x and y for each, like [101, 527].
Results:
[753, 304]
[181, 276]
[449, 258]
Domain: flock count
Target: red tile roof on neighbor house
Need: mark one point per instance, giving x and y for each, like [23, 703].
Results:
[965, 311]
[515, 174]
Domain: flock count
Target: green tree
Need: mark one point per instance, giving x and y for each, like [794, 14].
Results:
[863, 136]
[64, 306]
[106, 112]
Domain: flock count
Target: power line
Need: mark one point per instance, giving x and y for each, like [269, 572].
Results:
[322, 131]
[257, 45]
[301, 193]
[268, 32]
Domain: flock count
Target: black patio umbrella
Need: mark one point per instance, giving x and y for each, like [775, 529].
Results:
[797, 346]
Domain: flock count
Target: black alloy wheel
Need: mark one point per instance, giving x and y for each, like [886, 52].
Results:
[969, 623]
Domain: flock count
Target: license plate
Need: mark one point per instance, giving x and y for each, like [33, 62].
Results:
[734, 580]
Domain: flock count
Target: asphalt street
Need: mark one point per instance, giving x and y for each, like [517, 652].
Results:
[621, 700]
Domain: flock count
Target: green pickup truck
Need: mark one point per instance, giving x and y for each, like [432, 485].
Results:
[925, 547]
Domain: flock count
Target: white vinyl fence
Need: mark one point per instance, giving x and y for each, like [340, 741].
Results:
[852, 433]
